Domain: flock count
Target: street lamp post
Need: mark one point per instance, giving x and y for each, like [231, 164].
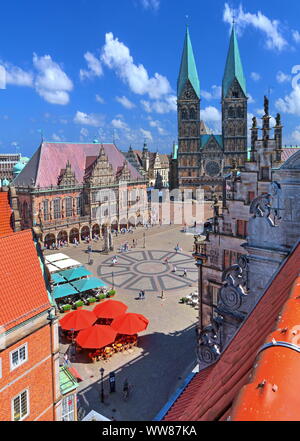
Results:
[102, 387]
[112, 280]
[144, 237]
[200, 257]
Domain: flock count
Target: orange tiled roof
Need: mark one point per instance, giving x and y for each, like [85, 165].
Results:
[224, 379]
[5, 214]
[22, 287]
[273, 394]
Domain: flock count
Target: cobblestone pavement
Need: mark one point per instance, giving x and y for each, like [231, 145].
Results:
[166, 350]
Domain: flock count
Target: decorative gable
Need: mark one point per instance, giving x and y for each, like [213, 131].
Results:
[67, 176]
[101, 171]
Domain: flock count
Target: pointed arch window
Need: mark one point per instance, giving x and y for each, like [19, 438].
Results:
[184, 114]
[192, 113]
[231, 112]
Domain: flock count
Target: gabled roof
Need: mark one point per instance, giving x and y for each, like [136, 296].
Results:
[206, 138]
[188, 70]
[225, 377]
[233, 68]
[5, 214]
[45, 166]
[22, 287]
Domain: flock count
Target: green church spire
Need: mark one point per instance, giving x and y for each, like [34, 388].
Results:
[188, 70]
[233, 68]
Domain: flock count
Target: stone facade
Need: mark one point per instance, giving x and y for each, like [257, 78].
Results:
[203, 159]
[104, 189]
[247, 241]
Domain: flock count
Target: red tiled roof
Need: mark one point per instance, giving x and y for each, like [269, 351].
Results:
[273, 394]
[22, 287]
[226, 377]
[287, 152]
[45, 166]
[5, 214]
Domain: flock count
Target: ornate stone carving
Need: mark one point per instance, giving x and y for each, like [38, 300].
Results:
[67, 176]
[266, 205]
[209, 343]
[234, 287]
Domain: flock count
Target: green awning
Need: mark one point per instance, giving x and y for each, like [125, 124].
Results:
[88, 283]
[63, 290]
[75, 273]
[67, 382]
[57, 278]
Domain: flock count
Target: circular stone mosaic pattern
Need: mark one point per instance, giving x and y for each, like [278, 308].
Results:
[146, 270]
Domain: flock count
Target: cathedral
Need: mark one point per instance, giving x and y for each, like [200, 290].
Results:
[204, 158]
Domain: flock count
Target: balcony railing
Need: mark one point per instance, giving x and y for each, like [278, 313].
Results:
[66, 221]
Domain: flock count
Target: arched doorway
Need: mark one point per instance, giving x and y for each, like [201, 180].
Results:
[123, 223]
[62, 237]
[132, 221]
[85, 233]
[74, 234]
[114, 226]
[95, 231]
[49, 240]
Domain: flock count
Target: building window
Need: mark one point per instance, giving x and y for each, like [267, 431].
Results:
[79, 205]
[94, 196]
[230, 258]
[56, 209]
[69, 208]
[46, 210]
[18, 356]
[241, 228]
[251, 196]
[265, 173]
[68, 408]
[20, 406]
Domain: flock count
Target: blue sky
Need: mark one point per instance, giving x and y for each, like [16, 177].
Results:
[86, 69]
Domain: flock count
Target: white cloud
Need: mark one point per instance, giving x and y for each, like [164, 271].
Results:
[88, 119]
[51, 82]
[214, 94]
[99, 99]
[296, 36]
[211, 114]
[260, 112]
[255, 76]
[94, 67]
[290, 103]
[16, 76]
[281, 77]
[147, 134]
[150, 4]
[56, 137]
[125, 102]
[116, 55]
[251, 100]
[119, 124]
[157, 125]
[274, 38]
[168, 104]
[84, 132]
[296, 135]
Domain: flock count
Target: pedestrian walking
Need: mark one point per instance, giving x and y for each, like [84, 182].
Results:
[140, 295]
[174, 269]
[184, 273]
[143, 294]
[162, 294]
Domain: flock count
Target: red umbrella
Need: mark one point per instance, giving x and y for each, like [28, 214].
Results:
[130, 323]
[96, 336]
[110, 309]
[77, 320]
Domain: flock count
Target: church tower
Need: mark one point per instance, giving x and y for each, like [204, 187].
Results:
[234, 106]
[188, 112]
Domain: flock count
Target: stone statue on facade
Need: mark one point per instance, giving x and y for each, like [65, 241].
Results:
[254, 122]
[278, 119]
[266, 105]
